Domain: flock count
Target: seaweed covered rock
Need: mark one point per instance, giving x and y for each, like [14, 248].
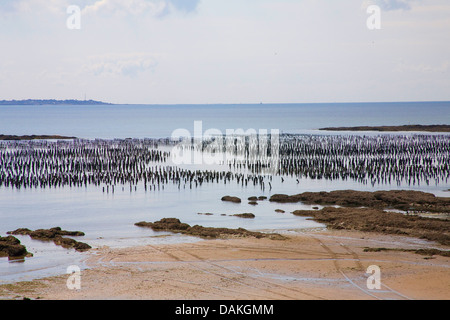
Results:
[175, 225]
[244, 215]
[406, 200]
[10, 247]
[377, 220]
[231, 199]
[166, 224]
[56, 235]
[260, 198]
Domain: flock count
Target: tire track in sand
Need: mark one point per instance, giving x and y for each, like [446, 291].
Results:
[377, 294]
[270, 283]
[220, 275]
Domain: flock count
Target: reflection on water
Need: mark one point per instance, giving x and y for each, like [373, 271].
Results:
[16, 259]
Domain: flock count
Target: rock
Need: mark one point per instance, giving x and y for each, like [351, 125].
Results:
[20, 231]
[409, 127]
[10, 247]
[231, 199]
[43, 234]
[424, 252]
[56, 235]
[261, 198]
[253, 203]
[405, 200]
[174, 225]
[244, 215]
[69, 243]
[377, 220]
[282, 198]
[253, 198]
[165, 224]
[280, 211]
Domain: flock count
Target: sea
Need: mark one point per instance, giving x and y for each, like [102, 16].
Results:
[108, 219]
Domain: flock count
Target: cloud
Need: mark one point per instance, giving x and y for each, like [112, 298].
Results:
[133, 7]
[8, 5]
[53, 6]
[185, 5]
[128, 65]
[137, 7]
[391, 5]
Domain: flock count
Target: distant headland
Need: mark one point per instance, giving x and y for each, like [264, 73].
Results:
[34, 137]
[416, 127]
[52, 102]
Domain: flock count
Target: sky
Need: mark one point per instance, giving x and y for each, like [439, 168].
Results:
[216, 51]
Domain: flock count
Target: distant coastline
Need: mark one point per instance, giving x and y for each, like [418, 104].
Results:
[415, 127]
[34, 137]
[52, 102]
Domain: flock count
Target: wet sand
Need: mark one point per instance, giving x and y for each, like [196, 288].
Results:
[314, 265]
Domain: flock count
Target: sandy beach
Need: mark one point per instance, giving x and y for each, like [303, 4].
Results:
[314, 265]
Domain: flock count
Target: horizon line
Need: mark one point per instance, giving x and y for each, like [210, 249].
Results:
[224, 103]
[268, 103]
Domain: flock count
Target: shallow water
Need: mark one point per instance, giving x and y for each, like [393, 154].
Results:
[108, 219]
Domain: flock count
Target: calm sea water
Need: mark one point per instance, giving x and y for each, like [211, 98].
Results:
[140, 121]
[108, 219]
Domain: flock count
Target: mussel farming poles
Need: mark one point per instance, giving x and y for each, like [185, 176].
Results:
[381, 159]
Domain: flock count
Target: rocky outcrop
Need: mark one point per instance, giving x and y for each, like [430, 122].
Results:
[231, 199]
[414, 127]
[244, 215]
[56, 235]
[406, 200]
[260, 198]
[175, 225]
[377, 220]
[10, 247]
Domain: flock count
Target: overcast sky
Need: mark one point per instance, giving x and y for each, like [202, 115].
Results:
[233, 51]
